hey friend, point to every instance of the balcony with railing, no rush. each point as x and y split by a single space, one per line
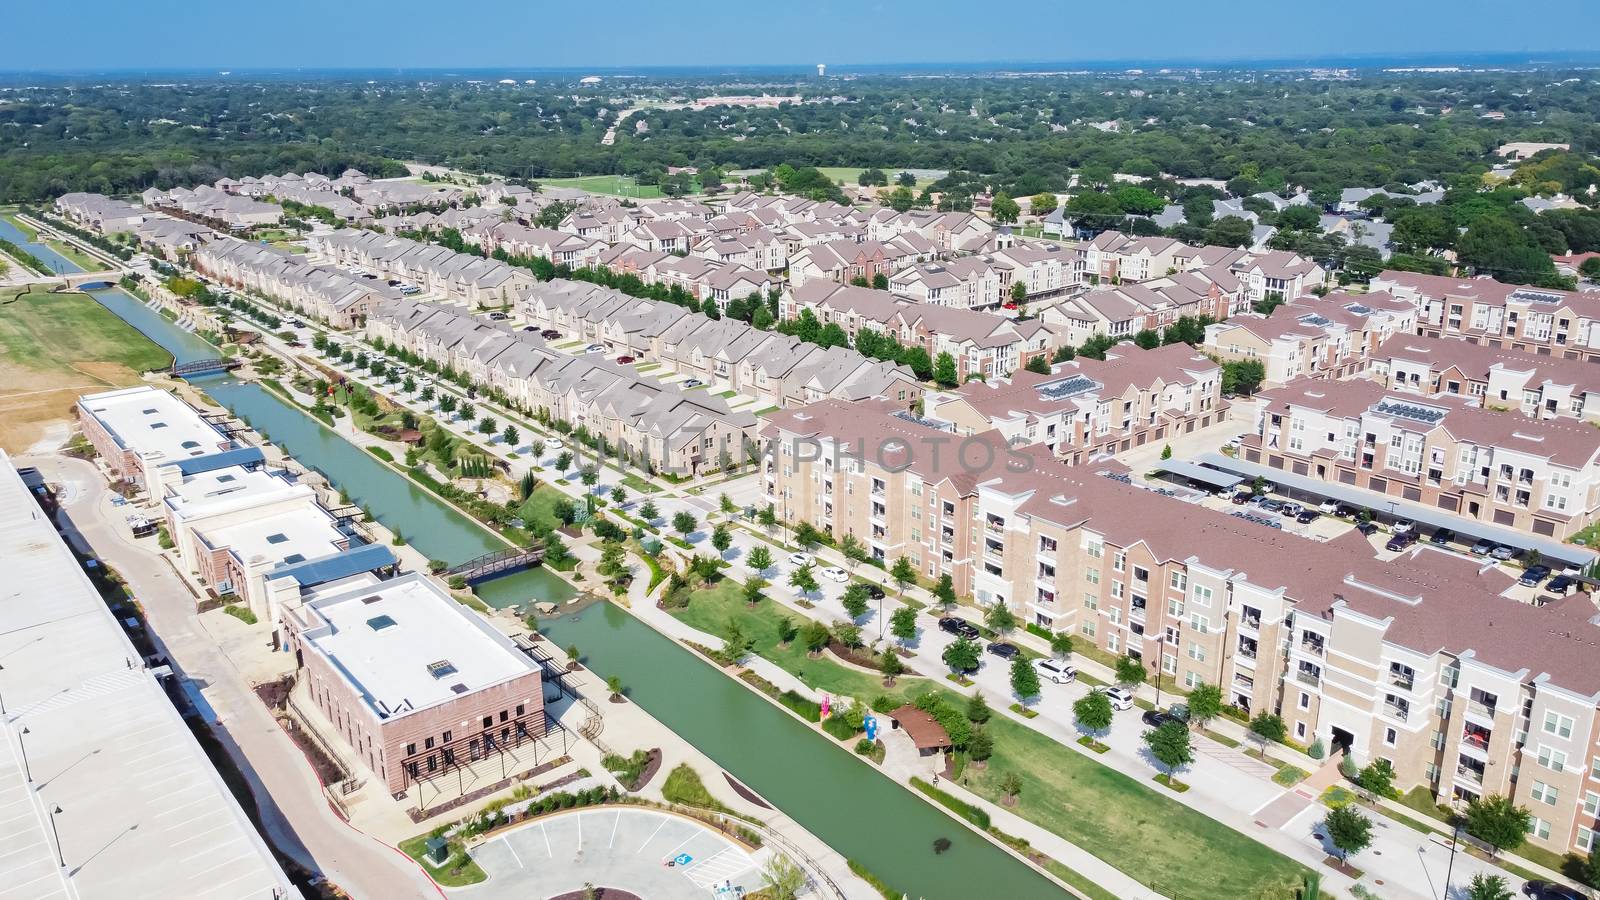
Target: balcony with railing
1309 675
1470 771
1248 648
1476 738
1250 619
1396 709
1402 677
1312 643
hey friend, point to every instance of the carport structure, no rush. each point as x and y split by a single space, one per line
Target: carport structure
1386 507
1212 477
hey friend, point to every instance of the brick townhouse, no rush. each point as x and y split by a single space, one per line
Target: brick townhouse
1485 311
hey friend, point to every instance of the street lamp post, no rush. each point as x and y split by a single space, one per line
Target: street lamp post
26 770
1455 841
61 856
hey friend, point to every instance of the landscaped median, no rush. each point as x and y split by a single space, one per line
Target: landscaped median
1151 838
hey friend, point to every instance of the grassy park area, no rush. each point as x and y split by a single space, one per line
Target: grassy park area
611 185
1111 815
54 347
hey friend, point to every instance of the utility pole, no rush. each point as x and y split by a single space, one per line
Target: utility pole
1455 840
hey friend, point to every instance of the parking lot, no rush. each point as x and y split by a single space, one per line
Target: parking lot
649 853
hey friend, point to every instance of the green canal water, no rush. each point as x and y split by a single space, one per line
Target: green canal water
824 787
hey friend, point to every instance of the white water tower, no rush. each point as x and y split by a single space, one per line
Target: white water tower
822 69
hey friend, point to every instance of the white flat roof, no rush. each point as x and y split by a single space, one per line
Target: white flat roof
143 812
197 494
154 423
407 645
291 536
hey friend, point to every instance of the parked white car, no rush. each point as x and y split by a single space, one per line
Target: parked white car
800 559
1058 671
1121 698
836 574
553 444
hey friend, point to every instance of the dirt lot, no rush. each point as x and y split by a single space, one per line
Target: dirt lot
54 347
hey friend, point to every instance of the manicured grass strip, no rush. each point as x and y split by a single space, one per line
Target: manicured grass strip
878 884
450 875
684 786
953 803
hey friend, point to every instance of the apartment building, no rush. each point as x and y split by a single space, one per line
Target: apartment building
1088 408
1113 256
415 684
1328 337
1421 662
752 248
1534 384
516 239
948 231
228 211
968 282
981 343
1538 476
1485 311
100 213
141 431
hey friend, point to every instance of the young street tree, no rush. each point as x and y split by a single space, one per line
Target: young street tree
815 636
1348 830
648 511
1266 728
1170 745
803 580
1024 680
1205 703
891 665
721 539
1498 822
855 600
1484 886
944 593
1130 672
961 656
753 589
1000 619
1061 645
683 522
903 625
903 573
854 551
978 711
760 558
781 879
1093 712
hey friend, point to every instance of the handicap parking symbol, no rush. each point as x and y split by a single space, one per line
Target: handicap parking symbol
682 859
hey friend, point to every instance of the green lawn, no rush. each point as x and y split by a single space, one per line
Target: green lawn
1089 804
613 185
469 874
59 332
540 508
79 258
849 174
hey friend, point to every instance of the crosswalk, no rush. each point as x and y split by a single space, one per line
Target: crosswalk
725 865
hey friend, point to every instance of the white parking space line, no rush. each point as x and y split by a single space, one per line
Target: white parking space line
614 823
686 840
546 834
513 853
653 834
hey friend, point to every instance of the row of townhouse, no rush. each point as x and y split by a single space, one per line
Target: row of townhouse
458 277
1425 664
981 343
205 203
846 260
1045 269
1335 336
517 239
1531 383
168 237
752 248
949 231
1125 310
1274 274
322 292
776 369
1540 320
789 209
703 278
658 425
100 213
1087 408
1535 475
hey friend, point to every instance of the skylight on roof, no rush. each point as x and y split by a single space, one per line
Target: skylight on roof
277 538
379 623
441 669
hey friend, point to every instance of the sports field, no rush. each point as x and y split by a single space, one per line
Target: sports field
54 347
612 185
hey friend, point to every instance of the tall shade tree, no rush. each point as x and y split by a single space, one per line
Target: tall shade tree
1498 822
903 625
760 558
1093 713
1024 679
1170 745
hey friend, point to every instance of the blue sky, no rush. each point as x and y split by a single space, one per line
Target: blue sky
79 35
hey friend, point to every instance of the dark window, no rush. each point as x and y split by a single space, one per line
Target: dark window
411 749
504 715
488 721
447 737
427 743
519 709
